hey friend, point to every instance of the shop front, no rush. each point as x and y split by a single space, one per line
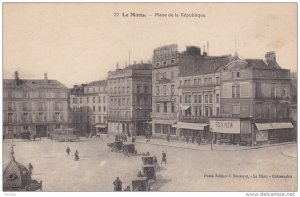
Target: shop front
191 130
231 131
273 132
101 129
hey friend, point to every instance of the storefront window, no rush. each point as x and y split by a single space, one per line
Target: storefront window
164 129
157 128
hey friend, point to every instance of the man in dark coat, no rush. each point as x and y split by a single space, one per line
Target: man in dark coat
117 185
164 157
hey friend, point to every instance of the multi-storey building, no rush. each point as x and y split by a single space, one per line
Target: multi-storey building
129 99
37 106
199 92
254 103
88 104
165 90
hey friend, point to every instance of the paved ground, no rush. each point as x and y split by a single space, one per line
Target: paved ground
186 170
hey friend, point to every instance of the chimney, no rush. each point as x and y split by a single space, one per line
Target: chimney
270 57
17 78
117 65
45 78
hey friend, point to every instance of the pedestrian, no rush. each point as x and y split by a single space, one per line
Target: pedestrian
34 137
155 162
133 139
125 138
187 139
164 157
76 155
117 185
193 138
30 168
116 138
140 174
198 139
127 189
68 150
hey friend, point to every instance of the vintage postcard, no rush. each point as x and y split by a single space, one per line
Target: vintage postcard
157 97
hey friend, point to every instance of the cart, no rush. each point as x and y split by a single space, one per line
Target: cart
148 160
140 184
115 146
129 149
149 171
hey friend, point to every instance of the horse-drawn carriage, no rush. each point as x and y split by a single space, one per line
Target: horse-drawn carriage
118 146
140 184
149 171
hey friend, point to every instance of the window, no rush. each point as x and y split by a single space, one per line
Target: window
196 111
104 108
195 99
104 119
180 83
190 98
157 90
172 73
99 108
25 127
123 101
119 101
273 92
186 98
94 108
217 80
164 75
157 107
217 111
94 119
180 99
138 89
199 98
87 99
236 91
210 80
165 89
145 89
10 117
99 119
217 98
10 106
185 83
25 106
189 82
195 82
236 109
165 108
172 61
104 99
99 99
127 89
94 99
164 129
210 98
200 111
199 81
172 107
206 98
172 89
157 128
127 101
237 74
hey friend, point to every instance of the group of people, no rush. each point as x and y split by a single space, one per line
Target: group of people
76 155
122 138
193 138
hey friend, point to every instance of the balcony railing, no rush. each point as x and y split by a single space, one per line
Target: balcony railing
191 118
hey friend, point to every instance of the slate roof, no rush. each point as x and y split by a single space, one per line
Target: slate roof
34 84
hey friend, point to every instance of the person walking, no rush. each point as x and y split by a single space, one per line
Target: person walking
117 184
187 139
164 157
76 155
155 162
68 150
30 168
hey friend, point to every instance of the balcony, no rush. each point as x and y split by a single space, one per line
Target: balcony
194 119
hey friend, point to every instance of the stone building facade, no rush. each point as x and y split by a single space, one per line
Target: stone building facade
129 99
37 106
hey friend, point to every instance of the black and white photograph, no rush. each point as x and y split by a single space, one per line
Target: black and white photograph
149 97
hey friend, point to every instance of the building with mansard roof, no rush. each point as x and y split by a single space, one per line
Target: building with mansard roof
37 106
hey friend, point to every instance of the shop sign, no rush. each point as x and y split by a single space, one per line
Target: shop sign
225 126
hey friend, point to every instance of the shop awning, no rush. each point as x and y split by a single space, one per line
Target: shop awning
274 125
263 126
163 121
193 126
282 125
101 126
186 107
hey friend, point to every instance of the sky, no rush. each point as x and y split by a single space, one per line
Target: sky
77 43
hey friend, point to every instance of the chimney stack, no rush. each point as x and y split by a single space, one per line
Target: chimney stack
17 78
45 78
270 57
